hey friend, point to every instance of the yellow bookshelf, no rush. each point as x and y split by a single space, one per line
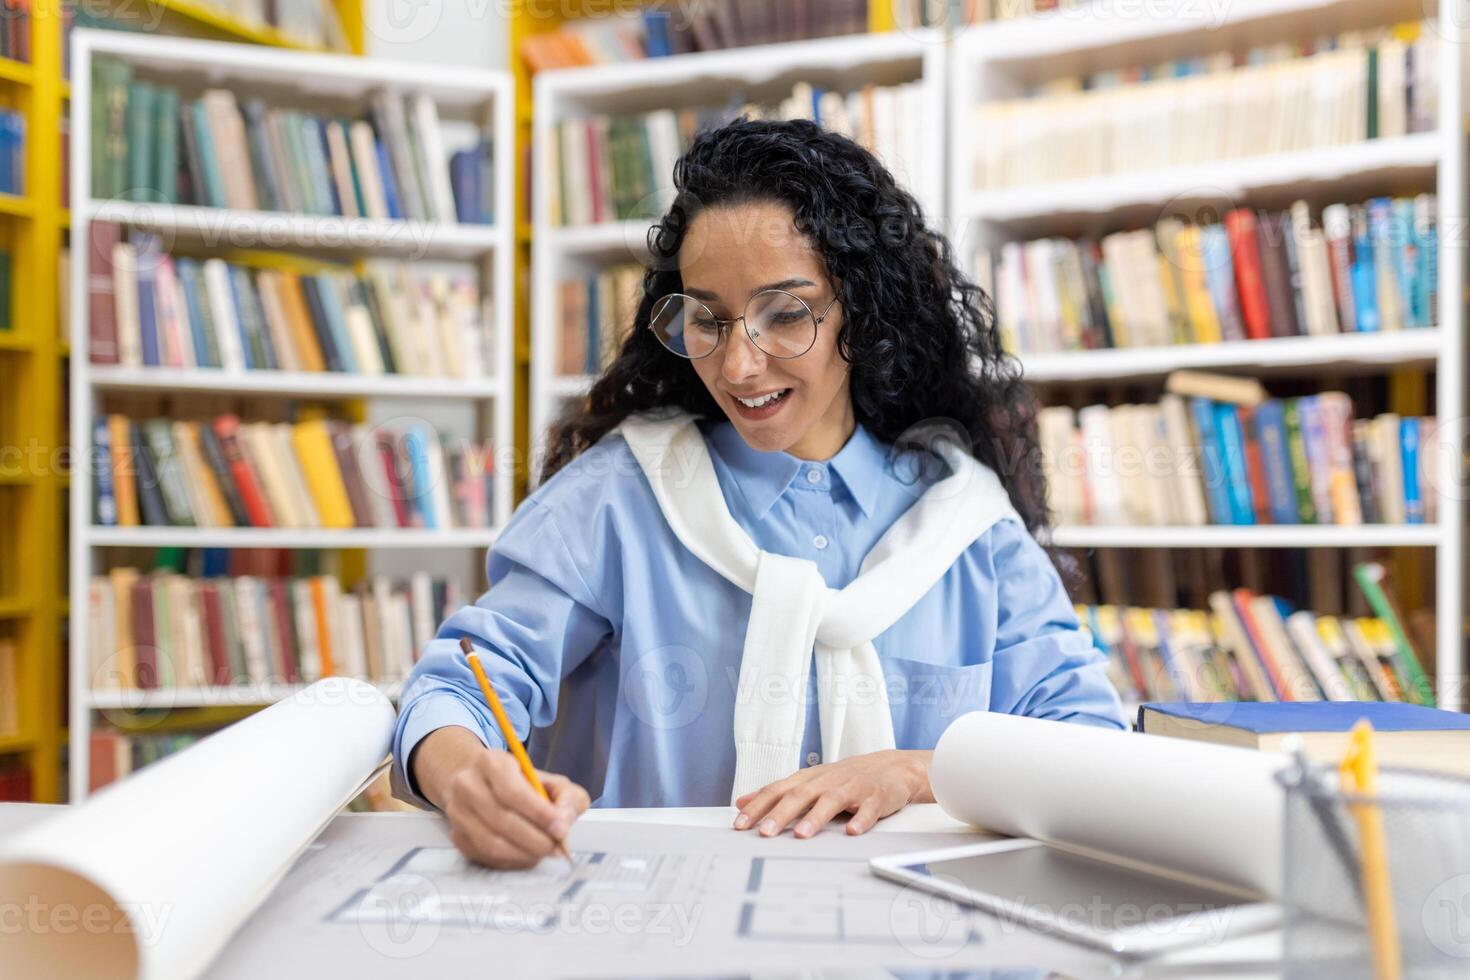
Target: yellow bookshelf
33 362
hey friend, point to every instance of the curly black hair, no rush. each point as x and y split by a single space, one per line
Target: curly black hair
919 336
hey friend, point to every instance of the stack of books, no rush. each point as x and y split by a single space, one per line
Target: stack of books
164 630
150 144
596 315
1194 461
614 168
311 474
664 30
1250 647
1329 91
148 308
1253 276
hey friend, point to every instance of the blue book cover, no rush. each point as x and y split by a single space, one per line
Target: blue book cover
214 562
204 349
1232 459
147 307
1269 718
1212 470
249 301
250 339
1426 237
1220 278
1270 419
321 156
464 180
1406 262
656 43
336 322
1413 493
105 502
1364 275
390 184
421 497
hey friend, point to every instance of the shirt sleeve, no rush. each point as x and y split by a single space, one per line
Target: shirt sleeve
1044 665
536 623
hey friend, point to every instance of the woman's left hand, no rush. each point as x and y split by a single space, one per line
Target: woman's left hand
870 787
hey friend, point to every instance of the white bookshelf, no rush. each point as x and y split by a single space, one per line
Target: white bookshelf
695 80
483 99
999 61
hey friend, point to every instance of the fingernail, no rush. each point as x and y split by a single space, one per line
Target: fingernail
741 822
804 828
768 827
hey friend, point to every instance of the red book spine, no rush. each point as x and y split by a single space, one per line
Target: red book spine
214 634
285 635
1255 467
226 429
101 296
1240 224
145 653
595 177
393 481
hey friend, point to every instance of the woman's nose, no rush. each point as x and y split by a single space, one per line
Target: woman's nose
743 359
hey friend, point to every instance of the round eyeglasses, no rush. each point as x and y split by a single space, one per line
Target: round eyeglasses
777 322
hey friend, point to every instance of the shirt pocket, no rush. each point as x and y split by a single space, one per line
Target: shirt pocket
925 697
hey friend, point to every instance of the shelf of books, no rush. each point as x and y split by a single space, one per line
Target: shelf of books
292 325
591 215
1213 239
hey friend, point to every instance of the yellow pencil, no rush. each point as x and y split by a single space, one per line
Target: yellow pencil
514 744
1359 774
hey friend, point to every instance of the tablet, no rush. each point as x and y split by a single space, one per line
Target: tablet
1111 906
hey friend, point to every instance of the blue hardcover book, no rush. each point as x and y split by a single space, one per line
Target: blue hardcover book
1365 274
105 502
1426 238
1211 466
464 180
214 562
336 322
249 302
1270 419
1413 493
1285 717
205 350
251 341
1220 278
421 497
321 156
1232 458
147 306
1406 263
390 183
656 43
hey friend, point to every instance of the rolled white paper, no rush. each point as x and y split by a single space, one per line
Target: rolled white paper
150 877
1212 811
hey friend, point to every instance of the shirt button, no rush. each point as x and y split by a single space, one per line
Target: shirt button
813 758
820 541
813 475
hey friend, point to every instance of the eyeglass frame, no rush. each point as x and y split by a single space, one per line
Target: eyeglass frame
720 323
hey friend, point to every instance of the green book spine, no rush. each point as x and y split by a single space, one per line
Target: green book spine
117 130
647 180
342 125
165 179
1372 93
214 187
1411 672
141 98
1301 475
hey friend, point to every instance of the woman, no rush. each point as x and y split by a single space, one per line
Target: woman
752 573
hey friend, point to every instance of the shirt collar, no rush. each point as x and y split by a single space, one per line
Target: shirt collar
762 477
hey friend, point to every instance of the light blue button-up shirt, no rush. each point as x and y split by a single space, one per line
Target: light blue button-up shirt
617 652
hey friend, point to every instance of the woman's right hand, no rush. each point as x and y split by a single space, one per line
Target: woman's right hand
495 816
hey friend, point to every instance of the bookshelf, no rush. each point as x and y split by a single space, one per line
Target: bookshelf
339 84
694 80
1000 60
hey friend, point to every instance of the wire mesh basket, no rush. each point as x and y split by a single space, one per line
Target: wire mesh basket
1426 822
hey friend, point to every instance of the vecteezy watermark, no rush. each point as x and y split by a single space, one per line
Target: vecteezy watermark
666 687
1446 917
36 916
403 916
929 925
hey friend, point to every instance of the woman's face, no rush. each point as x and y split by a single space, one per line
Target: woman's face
730 253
